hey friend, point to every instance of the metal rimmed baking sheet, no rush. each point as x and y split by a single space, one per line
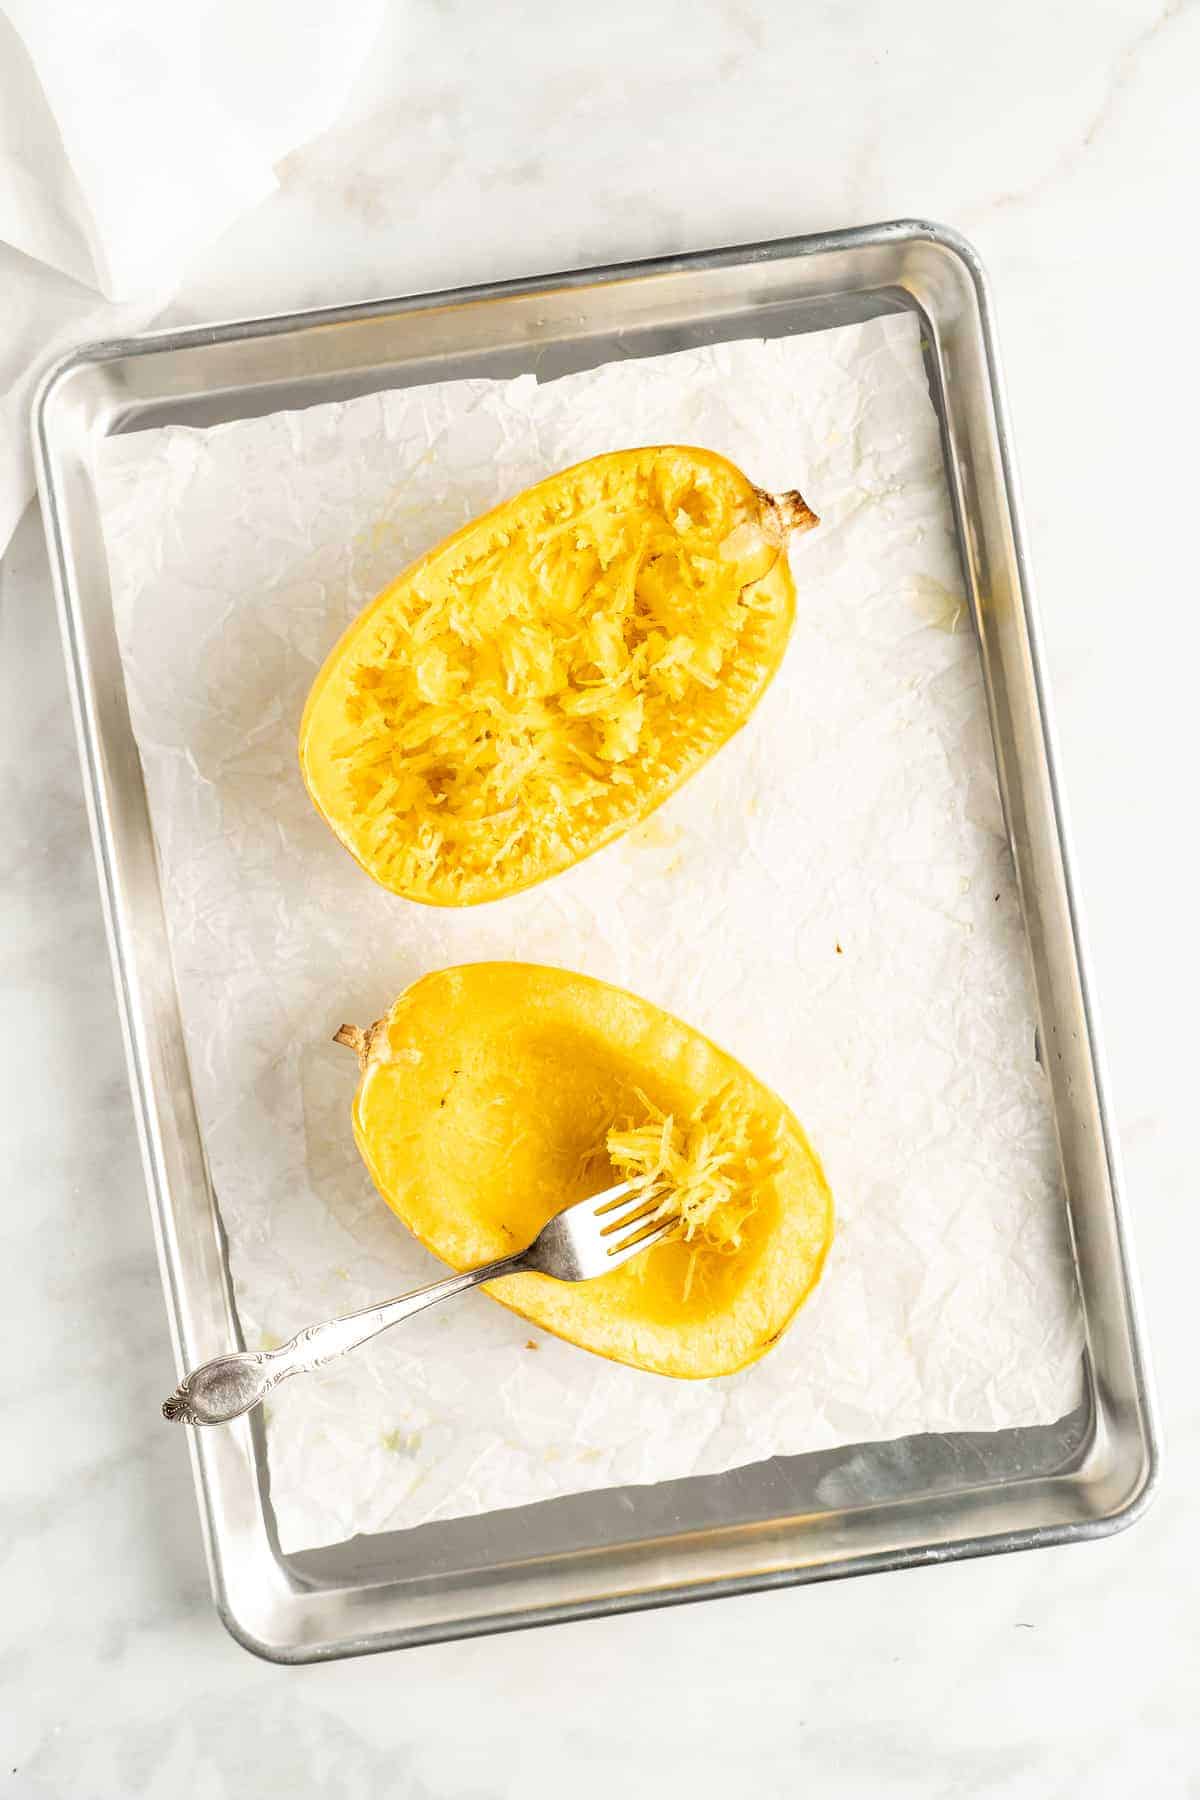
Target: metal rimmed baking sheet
797 1518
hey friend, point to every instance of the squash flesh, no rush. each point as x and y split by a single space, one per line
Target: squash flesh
546 677
485 1105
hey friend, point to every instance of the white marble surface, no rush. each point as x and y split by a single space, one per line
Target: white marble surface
1065 147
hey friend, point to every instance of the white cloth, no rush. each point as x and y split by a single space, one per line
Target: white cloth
132 133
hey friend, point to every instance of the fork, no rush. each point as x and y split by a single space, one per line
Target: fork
589 1238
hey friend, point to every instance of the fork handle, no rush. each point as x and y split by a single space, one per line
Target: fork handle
229 1386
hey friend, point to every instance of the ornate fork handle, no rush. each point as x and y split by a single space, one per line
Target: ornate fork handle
228 1386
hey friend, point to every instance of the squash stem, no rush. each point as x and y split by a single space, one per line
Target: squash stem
358 1040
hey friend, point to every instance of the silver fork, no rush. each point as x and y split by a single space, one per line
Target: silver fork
592 1237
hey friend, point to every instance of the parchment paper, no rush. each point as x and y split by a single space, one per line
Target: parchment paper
831 899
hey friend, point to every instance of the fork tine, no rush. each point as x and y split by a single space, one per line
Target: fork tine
611 1198
643 1208
652 1232
629 1221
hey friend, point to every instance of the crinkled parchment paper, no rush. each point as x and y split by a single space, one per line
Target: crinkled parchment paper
831 899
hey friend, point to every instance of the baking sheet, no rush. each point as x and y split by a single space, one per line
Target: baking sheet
831 899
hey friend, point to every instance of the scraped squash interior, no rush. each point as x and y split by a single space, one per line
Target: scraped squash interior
494 1094
547 676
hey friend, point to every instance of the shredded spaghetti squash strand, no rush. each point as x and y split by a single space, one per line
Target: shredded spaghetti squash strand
497 699
708 1170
